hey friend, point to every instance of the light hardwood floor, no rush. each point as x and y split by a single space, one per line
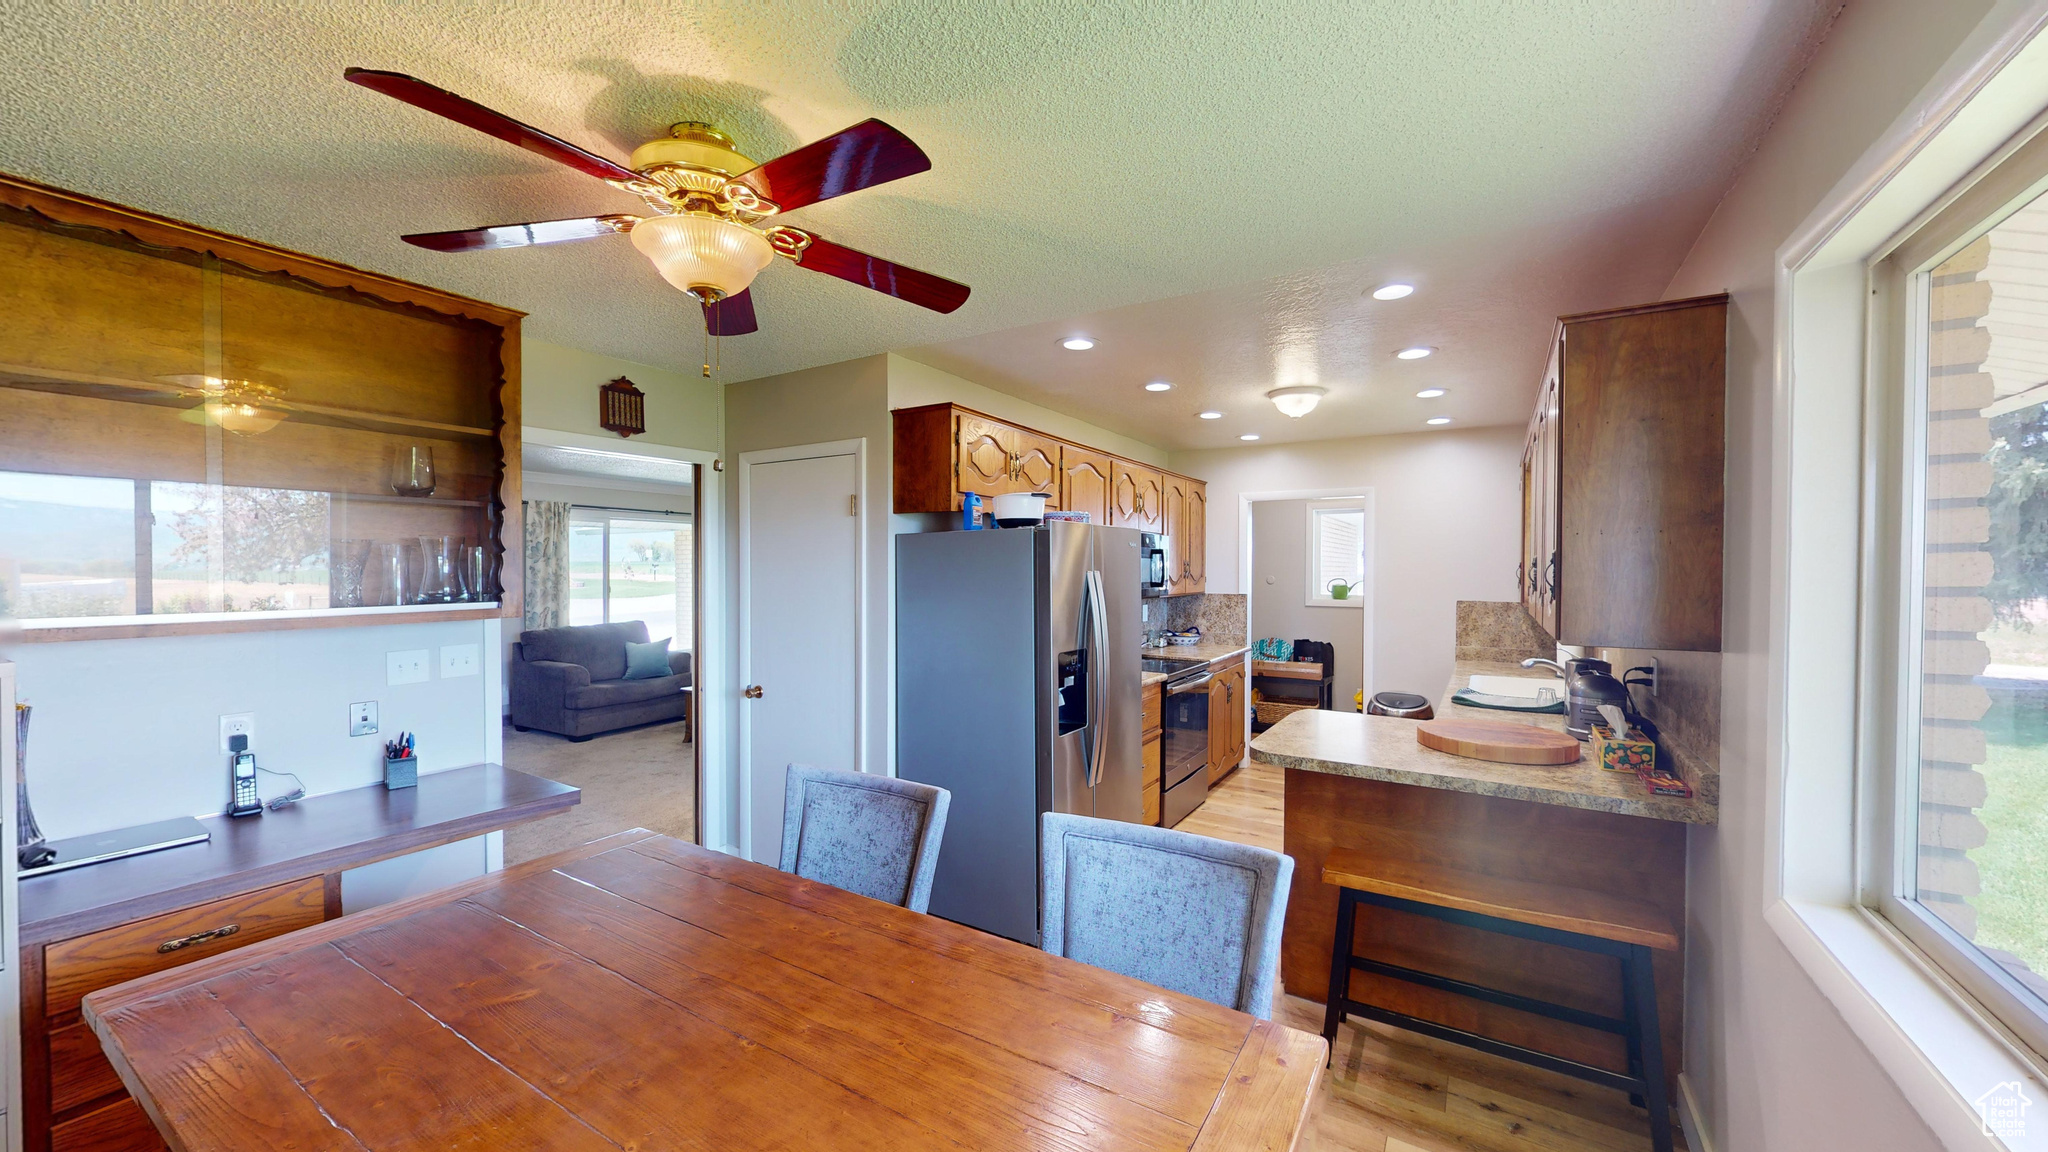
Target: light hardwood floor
1393 1091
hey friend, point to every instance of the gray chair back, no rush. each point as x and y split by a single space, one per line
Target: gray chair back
1185 912
868 834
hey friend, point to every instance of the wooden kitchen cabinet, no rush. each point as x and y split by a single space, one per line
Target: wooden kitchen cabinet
943 450
997 458
1152 748
1226 720
1138 497
1085 479
1623 474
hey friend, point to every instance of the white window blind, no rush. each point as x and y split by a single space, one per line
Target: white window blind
1336 551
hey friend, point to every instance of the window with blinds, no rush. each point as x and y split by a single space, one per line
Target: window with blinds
1336 554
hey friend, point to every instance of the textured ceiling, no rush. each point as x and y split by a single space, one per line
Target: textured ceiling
1207 186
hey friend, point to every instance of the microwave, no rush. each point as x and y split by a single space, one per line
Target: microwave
1154 562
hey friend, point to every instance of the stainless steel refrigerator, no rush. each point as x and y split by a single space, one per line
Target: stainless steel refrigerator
1017 689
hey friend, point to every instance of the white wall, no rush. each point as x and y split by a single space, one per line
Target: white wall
1448 527
559 391
1279 597
126 732
1769 1061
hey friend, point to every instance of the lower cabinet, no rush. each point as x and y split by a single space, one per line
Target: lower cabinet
1226 719
1152 749
85 1108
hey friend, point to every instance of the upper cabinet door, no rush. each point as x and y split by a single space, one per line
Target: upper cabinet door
1195 530
1137 497
1085 483
1038 464
987 455
1176 509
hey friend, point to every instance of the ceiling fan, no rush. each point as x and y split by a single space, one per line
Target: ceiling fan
713 224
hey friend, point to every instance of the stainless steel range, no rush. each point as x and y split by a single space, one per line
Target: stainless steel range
1184 750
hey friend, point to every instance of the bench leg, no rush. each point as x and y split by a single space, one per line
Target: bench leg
1634 1035
1340 971
1642 997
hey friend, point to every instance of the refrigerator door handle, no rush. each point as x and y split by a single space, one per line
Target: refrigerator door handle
1098 621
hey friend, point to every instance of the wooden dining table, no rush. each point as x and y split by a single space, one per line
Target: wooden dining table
642 993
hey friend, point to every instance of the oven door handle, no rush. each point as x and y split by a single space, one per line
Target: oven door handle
1189 685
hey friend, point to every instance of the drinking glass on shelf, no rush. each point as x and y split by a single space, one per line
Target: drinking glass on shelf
473 573
392 576
412 473
437 570
346 560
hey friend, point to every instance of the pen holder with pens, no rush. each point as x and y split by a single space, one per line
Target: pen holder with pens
401 764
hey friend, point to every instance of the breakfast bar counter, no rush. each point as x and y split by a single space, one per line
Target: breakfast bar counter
1363 783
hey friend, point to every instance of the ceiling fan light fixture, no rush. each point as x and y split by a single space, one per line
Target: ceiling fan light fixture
1297 401
703 253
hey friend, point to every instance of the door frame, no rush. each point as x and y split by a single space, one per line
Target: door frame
1365 495
715 803
743 614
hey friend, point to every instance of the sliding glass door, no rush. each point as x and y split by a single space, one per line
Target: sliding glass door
632 566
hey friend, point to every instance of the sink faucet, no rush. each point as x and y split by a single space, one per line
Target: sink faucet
1553 665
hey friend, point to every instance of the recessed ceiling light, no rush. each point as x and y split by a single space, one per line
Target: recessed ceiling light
1392 291
1298 401
1249 436
1415 353
1158 386
1429 393
1077 343
1210 415
1438 420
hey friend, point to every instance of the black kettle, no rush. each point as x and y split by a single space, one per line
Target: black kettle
1589 683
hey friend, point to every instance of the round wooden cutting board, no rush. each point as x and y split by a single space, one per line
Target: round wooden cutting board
1498 740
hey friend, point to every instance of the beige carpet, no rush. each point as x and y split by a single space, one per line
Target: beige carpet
639 778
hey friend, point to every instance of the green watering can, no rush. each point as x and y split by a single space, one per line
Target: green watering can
1339 590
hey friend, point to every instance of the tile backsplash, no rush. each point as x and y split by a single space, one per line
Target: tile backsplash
1221 615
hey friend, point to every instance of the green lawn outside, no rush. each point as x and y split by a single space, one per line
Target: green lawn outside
2012 911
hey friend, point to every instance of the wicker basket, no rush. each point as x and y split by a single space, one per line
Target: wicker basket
1274 711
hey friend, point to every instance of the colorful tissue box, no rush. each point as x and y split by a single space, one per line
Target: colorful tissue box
1635 752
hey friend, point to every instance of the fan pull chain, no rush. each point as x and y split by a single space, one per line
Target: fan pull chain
707 347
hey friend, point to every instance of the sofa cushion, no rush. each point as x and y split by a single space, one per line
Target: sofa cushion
647 661
608 692
598 647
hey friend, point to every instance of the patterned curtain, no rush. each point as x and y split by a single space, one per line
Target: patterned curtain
547 563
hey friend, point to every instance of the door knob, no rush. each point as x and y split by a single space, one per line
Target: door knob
753 692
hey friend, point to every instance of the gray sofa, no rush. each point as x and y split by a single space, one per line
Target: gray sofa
570 681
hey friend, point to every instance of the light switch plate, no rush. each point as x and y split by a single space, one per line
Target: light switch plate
237 724
362 718
459 660
406 667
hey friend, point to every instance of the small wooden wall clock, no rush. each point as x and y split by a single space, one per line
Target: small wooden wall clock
622 408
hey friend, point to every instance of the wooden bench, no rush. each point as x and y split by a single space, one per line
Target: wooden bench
1597 922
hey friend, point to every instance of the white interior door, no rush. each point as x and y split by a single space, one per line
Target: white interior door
801 612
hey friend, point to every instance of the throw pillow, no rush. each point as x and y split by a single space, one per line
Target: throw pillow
646 661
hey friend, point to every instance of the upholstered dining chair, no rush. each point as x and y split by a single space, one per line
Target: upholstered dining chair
1185 912
868 834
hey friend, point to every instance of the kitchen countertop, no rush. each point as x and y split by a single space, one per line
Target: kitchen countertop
1385 748
1205 651
1148 679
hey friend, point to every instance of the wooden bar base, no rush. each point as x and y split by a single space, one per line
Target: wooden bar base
1414 829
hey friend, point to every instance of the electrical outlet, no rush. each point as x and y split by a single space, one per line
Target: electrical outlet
237 724
460 660
362 718
405 667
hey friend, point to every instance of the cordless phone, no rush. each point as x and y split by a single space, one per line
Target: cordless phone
243 800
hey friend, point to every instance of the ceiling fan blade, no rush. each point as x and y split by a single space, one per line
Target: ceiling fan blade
921 288
442 102
732 316
521 235
867 154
